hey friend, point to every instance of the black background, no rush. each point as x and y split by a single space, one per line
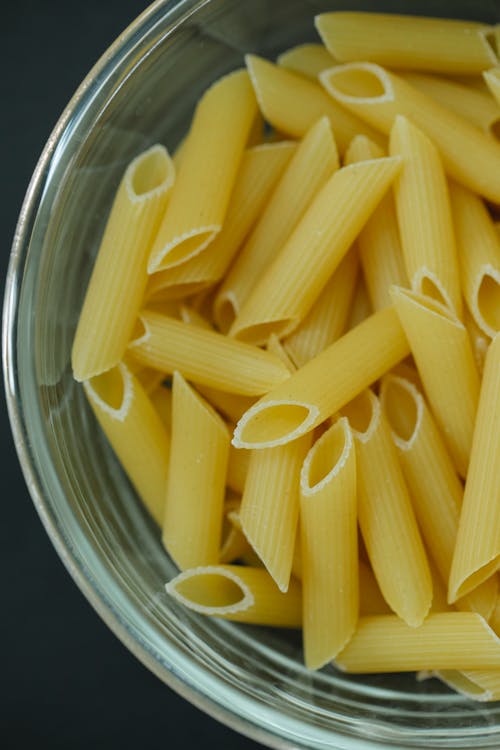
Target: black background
65 680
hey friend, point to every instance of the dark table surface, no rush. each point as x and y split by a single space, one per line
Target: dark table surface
65 680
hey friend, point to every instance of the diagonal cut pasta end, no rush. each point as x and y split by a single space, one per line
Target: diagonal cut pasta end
358 83
112 391
271 423
211 590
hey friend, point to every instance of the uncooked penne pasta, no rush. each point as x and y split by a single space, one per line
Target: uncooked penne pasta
479 252
291 104
441 347
329 544
325 384
371 599
312 164
135 432
361 307
424 216
378 242
210 161
230 405
194 507
492 78
161 398
445 640
238 593
478 684
260 170
205 357
378 96
149 379
115 291
288 289
327 318
477 551
479 340
237 469
386 516
233 543
417 43
306 59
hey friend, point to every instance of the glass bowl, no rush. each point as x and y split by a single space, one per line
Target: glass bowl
142 91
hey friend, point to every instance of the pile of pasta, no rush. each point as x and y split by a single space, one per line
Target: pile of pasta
290 334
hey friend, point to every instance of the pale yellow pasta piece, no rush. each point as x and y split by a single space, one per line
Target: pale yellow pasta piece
237 469
239 593
361 307
116 287
306 59
161 398
260 170
492 78
466 101
445 640
371 599
308 170
479 685
479 252
233 543
424 216
408 371
477 551
149 379
189 315
435 488
206 357
385 513
291 104
327 318
230 405
135 432
378 242
288 289
324 384
446 365
194 507
329 544
479 340
378 96
210 161
414 42
275 346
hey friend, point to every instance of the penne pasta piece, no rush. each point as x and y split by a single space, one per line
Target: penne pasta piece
230 405
479 685
414 42
479 340
325 384
492 78
288 289
275 346
385 513
479 252
477 550
233 544
194 507
292 104
329 544
260 170
161 398
306 59
378 242
239 593
361 307
116 288
378 96
210 161
371 599
445 640
135 432
149 379
237 469
308 170
327 318
424 217
432 480
466 101
206 357
446 365
193 317
408 371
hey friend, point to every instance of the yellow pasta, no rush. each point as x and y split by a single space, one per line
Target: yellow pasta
492 78
260 170
119 277
237 469
477 551
414 42
479 685
194 507
230 405
135 432
466 101
446 365
424 216
378 242
378 96
288 289
238 593
361 307
206 357
386 517
329 544
312 164
306 59
371 599
324 384
210 161
445 640
479 340
291 104
161 398
233 543
479 252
